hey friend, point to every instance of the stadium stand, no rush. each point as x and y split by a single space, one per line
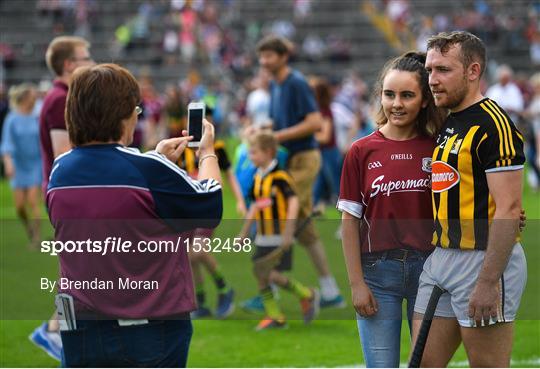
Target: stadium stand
342 34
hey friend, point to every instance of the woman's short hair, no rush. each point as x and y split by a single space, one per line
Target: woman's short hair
100 97
19 93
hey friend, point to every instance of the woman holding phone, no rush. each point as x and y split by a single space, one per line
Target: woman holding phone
102 188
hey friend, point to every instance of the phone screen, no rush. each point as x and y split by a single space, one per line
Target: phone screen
195 124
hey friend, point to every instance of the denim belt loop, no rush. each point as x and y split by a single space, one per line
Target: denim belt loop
405 256
384 256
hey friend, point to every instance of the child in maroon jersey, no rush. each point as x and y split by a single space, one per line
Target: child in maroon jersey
385 199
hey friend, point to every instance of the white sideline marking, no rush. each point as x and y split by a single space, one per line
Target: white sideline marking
462 364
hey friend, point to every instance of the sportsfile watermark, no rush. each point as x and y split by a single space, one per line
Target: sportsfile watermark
127 260
111 245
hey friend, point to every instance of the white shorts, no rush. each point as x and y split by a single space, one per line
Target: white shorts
456 272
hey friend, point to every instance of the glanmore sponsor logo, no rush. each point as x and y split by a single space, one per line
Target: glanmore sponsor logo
443 176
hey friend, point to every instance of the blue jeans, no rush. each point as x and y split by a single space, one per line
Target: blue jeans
103 343
327 182
391 282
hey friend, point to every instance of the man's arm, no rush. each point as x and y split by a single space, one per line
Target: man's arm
60 141
311 124
505 188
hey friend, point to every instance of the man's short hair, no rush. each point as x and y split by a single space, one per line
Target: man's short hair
472 48
279 45
100 97
61 49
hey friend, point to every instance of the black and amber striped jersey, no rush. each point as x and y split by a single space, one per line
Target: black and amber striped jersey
270 193
475 141
188 160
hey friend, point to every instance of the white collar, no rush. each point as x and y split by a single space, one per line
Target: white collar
264 171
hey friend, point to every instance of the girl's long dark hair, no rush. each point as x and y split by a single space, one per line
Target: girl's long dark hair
430 118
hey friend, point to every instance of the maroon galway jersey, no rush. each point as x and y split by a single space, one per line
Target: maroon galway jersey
387 184
52 117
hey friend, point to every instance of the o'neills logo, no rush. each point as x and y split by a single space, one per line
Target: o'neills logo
443 176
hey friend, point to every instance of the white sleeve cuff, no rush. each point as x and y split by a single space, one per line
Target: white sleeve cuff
505 169
354 208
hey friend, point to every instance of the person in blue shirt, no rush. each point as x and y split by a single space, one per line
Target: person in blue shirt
295 117
22 159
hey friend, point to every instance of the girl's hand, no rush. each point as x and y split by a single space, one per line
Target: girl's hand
363 300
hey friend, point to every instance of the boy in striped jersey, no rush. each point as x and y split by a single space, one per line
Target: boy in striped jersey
477 169
275 208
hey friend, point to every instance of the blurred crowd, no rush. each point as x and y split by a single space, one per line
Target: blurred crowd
218 34
201 32
495 22
185 31
348 101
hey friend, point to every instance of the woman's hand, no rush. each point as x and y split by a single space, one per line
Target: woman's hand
9 168
363 300
207 140
172 148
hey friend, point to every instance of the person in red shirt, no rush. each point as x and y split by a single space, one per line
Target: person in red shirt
385 200
327 182
64 55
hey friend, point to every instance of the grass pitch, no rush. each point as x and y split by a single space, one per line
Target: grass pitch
330 341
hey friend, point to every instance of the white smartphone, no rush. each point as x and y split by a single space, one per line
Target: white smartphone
196 111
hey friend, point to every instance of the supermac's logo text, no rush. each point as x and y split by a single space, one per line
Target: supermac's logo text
443 176
379 186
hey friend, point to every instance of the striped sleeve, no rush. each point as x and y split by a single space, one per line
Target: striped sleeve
284 182
176 195
501 145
